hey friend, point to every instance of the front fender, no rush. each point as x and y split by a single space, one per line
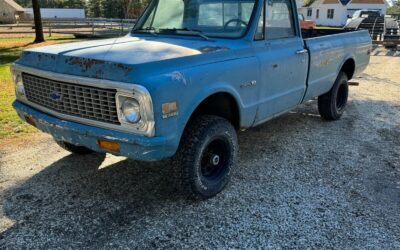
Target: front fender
205 93
190 87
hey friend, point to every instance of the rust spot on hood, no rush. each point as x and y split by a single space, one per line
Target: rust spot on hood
209 49
84 63
125 68
99 73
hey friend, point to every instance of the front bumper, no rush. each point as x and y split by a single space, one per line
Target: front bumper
132 146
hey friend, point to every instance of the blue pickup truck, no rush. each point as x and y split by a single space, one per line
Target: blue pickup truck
188 76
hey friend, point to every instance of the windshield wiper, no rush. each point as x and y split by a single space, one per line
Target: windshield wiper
196 32
150 30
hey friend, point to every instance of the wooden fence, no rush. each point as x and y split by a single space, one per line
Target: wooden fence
95 27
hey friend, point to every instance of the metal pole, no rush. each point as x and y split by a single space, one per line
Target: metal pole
49 23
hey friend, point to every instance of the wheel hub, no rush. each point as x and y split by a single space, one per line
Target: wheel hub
215 159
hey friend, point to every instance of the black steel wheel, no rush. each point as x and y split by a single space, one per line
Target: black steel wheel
207 155
215 159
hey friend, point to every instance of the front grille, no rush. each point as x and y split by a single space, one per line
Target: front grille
72 99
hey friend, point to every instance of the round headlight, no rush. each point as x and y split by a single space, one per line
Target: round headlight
131 111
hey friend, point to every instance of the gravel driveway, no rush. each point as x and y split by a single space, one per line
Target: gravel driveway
301 183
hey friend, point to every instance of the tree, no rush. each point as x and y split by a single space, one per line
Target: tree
73 4
127 6
115 8
395 9
38 22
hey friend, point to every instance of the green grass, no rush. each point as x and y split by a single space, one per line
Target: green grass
10 49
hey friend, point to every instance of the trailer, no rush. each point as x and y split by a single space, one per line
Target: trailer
383 30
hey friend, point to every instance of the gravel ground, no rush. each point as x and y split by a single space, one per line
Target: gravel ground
300 183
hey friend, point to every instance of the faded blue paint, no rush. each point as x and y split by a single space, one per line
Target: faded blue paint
132 146
190 69
329 53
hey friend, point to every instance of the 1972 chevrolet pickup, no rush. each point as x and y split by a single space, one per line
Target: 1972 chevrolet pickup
189 75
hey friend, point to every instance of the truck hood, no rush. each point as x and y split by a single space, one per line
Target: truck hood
128 59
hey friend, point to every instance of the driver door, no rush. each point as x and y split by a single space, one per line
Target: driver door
283 60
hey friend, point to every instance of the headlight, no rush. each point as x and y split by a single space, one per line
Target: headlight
135 111
20 90
131 110
19 85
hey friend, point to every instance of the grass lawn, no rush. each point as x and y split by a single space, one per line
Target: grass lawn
10 49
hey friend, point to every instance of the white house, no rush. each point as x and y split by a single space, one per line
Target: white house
58 13
10 11
336 12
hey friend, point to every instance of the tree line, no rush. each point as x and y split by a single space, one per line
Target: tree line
95 8
71 4
115 9
395 9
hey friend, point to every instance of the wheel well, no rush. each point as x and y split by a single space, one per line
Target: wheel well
349 67
220 104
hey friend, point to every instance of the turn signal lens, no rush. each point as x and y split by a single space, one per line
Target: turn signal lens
109 145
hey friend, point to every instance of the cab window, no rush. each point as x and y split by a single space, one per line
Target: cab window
279 19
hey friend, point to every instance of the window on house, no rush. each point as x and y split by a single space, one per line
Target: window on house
330 13
317 14
309 12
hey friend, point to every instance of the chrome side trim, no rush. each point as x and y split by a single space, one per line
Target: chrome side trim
139 92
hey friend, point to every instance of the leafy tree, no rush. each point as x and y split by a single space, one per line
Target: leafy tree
94 8
116 8
395 9
54 3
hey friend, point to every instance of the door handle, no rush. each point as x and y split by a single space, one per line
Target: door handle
300 52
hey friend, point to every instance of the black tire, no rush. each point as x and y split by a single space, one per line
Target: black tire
206 156
332 104
79 150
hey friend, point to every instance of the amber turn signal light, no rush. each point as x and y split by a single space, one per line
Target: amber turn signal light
109 145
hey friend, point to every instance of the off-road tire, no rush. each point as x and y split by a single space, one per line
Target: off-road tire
332 104
206 156
79 150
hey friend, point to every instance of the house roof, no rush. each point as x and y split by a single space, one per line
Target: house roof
345 2
330 2
317 3
313 3
14 5
369 1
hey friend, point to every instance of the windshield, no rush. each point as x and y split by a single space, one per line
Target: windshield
206 18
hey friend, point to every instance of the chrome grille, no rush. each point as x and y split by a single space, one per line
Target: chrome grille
72 99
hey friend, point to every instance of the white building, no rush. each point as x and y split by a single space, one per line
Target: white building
336 12
58 13
10 11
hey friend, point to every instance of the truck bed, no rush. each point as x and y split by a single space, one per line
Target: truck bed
328 51
310 33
